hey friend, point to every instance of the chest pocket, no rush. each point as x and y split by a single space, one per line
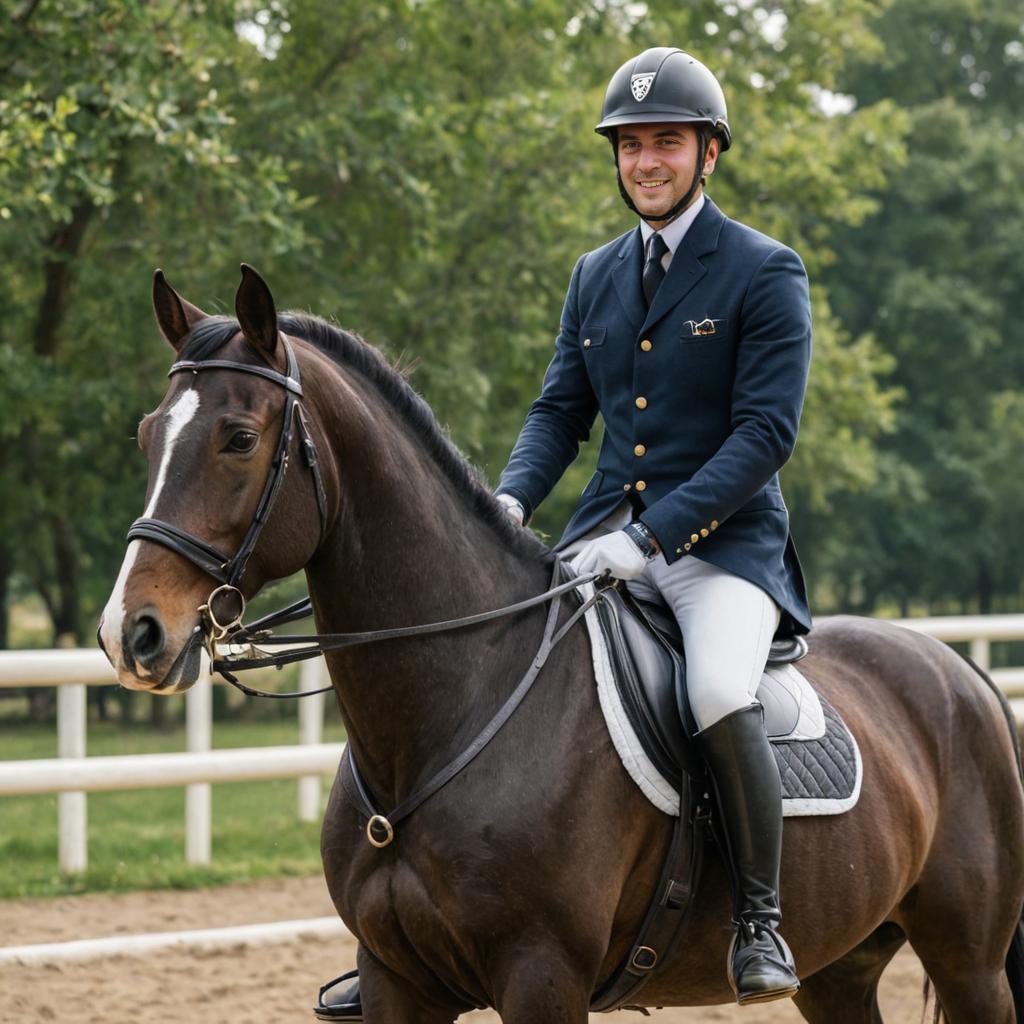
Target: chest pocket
591 338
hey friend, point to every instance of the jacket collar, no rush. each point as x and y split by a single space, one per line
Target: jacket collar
685 270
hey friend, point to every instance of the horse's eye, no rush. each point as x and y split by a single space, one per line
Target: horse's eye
242 441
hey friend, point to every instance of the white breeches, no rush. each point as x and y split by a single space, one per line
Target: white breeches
727 624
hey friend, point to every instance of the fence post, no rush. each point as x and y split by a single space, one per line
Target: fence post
198 736
981 653
311 721
71 807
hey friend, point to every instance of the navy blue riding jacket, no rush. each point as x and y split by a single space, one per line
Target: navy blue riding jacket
701 398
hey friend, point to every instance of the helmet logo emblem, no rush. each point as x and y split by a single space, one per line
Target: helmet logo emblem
641 85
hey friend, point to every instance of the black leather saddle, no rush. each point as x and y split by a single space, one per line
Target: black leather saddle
645 647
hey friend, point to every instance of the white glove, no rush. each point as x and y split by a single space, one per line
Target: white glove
513 509
615 552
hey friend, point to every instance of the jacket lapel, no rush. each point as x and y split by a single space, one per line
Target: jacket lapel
627 274
686 268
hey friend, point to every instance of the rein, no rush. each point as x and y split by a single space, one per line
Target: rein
321 643
229 570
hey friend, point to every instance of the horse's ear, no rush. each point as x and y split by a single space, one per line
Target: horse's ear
254 307
175 315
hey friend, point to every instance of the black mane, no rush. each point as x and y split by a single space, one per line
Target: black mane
352 352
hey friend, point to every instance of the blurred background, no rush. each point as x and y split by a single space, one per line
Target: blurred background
426 173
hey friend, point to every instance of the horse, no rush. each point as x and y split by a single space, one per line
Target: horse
521 883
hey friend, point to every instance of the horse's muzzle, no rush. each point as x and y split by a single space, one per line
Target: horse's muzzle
144 656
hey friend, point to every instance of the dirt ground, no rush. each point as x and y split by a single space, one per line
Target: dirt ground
268 984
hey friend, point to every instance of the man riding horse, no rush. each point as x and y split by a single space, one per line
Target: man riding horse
691 335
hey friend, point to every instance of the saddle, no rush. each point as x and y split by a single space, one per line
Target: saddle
645 646
645 704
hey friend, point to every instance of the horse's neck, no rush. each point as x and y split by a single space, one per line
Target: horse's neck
406 551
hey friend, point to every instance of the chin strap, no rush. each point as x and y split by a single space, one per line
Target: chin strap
698 177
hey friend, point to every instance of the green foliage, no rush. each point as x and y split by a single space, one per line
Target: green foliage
427 174
935 274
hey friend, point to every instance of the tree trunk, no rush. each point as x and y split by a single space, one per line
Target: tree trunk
67 612
64 244
6 569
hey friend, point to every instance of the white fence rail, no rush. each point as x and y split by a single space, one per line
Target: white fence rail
71 775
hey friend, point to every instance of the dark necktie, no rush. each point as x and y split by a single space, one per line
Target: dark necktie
654 272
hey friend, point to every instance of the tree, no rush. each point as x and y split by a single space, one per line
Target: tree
113 116
935 275
426 173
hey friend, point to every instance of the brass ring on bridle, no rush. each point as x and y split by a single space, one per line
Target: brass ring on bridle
380 822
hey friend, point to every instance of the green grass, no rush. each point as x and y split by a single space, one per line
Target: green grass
137 838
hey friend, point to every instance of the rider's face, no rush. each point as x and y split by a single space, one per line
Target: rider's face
657 164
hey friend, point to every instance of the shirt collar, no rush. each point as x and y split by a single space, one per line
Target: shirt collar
673 233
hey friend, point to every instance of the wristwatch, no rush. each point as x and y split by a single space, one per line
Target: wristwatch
642 537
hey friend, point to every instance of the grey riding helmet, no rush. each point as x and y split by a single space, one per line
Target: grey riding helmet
665 84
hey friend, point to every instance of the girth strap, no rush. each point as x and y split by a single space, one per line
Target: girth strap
668 910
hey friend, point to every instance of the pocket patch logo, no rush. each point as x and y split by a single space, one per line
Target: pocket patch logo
706 326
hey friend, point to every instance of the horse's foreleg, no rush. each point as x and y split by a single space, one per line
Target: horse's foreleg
390 999
543 989
846 992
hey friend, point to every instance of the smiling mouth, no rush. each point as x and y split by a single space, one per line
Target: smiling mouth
653 184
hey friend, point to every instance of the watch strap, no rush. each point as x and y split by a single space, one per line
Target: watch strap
642 537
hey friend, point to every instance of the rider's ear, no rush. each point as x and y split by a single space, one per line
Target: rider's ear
254 307
175 315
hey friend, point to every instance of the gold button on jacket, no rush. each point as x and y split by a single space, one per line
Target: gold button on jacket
639 450
641 402
641 485
646 345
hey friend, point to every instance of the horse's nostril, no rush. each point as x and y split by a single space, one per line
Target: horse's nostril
146 639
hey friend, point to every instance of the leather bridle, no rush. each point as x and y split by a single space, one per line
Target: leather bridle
229 570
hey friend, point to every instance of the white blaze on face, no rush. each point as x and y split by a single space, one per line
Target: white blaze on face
177 417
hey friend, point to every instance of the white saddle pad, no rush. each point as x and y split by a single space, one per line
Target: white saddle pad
819 760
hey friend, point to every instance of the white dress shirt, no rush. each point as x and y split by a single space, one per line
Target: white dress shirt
673 233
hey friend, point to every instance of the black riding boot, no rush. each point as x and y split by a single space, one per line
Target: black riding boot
749 794
343 1005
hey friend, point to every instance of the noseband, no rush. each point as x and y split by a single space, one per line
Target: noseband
229 570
